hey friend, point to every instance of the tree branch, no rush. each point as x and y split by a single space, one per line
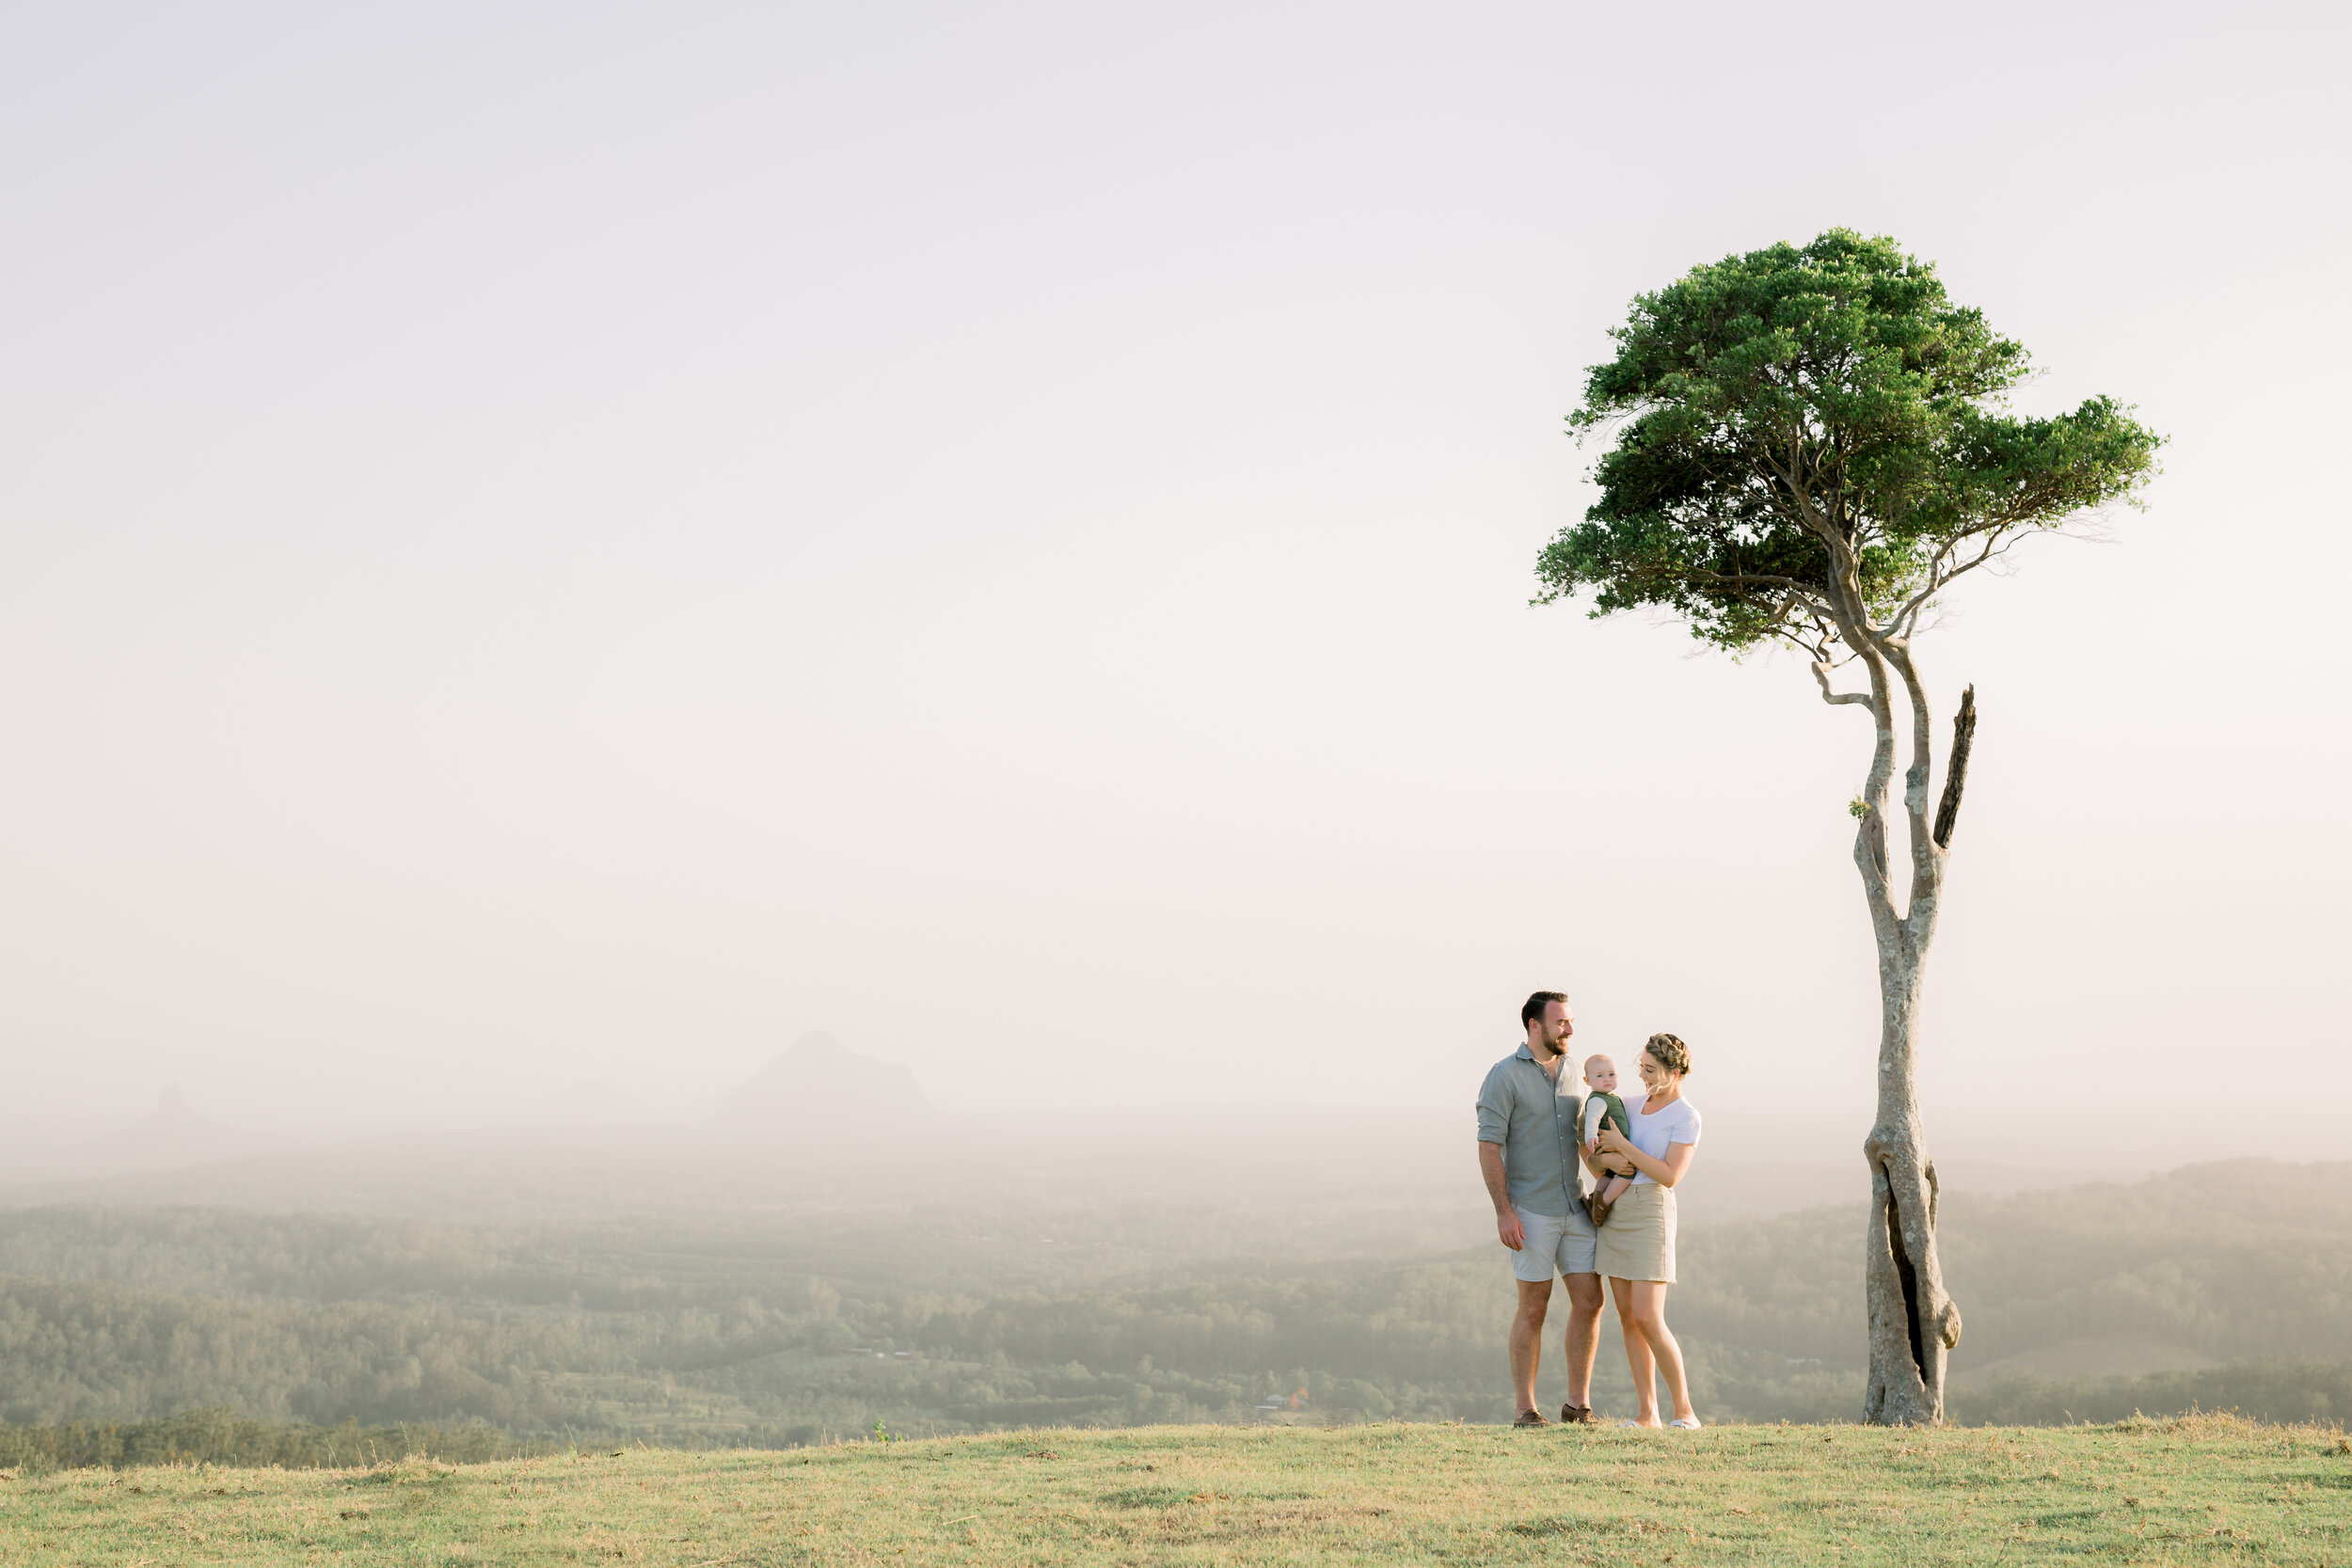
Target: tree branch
1956 769
1915 776
1708 578
1820 673
1870 834
1944 568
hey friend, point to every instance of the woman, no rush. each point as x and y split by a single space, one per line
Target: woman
1637 1245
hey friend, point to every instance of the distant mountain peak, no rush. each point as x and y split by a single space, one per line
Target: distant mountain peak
174 1118
816 1045
818 1088
171 1136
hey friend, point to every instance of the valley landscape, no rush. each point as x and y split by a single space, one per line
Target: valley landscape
828 1322
1032 784
1162 1378
766 1282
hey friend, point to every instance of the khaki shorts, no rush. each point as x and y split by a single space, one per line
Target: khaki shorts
1556 1244
1637 1243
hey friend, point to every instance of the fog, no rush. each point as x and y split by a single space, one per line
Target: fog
549 553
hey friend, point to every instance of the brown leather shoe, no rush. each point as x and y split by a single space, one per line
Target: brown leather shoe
1598 1209
1576 1415
1531 1419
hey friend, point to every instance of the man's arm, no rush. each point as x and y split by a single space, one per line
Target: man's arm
1508 1224
1496 1098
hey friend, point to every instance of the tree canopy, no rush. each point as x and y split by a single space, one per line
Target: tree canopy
1814 441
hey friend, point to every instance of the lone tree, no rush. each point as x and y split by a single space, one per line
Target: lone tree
1811 445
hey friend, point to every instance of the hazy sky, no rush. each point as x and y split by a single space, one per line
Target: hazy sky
549 550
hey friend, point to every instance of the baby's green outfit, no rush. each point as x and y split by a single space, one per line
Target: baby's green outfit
1604 1110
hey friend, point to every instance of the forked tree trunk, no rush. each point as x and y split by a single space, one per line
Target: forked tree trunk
1914 1323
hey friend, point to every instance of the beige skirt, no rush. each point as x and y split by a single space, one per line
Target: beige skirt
1637 1243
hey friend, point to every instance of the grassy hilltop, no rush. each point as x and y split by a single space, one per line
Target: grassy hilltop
2194 1490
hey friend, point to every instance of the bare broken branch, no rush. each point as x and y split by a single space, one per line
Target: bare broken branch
1956 770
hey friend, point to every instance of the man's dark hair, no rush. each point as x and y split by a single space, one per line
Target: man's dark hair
1536 1004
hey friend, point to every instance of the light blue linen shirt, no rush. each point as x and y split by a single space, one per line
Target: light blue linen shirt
1537 1119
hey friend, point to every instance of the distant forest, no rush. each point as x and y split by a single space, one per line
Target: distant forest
771 1331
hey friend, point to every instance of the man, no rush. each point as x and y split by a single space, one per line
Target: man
1530 1121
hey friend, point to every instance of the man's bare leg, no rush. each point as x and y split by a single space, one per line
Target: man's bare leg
1583 1341
1526 1342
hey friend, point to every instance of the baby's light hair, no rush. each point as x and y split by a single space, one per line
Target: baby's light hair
1597 1056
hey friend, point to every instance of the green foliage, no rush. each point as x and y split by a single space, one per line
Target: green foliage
1810 434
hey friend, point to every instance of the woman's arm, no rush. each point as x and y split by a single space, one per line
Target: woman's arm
1601 1163
1664 1172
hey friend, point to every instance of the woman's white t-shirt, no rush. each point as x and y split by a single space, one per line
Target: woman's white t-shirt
1676 1123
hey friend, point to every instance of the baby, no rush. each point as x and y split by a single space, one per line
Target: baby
1602 1108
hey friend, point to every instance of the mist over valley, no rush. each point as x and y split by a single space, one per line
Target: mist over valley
828 1250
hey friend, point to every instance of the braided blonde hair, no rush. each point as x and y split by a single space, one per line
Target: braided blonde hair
1670 1053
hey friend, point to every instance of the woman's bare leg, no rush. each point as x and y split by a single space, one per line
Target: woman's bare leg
1637 1353
1649 1317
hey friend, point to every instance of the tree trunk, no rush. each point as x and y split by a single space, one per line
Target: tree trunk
1913 1323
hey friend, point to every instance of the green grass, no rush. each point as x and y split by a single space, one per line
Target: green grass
2208 1489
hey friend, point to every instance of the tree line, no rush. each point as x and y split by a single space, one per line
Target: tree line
722 1332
